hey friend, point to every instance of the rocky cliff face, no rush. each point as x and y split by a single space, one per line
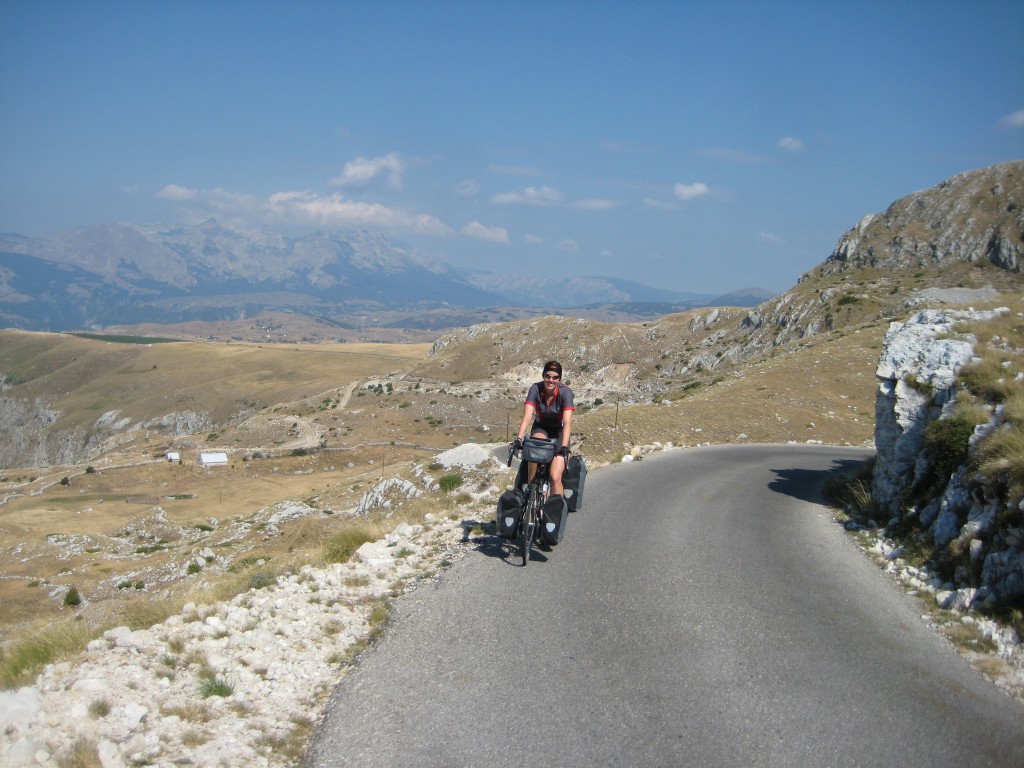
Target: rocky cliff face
977 216
968 515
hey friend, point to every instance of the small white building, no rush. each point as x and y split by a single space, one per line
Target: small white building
173 456
213 459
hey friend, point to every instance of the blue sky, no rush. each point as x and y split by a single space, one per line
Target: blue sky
693 146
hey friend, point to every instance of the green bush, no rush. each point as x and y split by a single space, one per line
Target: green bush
449 483
946 443
72 597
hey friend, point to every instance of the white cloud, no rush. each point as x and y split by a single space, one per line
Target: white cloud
295 208
790 144
1013 120
174 192
483 232
532 239
691 191
336 211
545 196
769 237
569 245
366 172
594 205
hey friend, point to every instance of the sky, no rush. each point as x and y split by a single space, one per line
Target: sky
692 146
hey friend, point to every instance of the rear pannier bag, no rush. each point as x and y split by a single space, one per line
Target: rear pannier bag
573 479
538 450
510 509
556 512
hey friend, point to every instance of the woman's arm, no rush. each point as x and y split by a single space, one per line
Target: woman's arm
524 425
566 427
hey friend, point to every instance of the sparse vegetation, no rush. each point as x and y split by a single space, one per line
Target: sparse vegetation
215 685
449 483
342 545
23 657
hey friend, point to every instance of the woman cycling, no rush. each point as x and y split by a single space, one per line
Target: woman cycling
549 408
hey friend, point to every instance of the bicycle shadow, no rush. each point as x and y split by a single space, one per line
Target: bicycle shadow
483 535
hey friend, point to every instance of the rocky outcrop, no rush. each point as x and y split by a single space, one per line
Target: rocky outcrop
917 385
977 216
916 374
35 436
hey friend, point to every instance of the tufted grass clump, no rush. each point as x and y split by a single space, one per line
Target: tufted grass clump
342 545
292 744
215 685
851 492
22 660
81 754
1001 455
99 708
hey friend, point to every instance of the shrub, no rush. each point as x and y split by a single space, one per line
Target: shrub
72 597
449 483
946 442
262 578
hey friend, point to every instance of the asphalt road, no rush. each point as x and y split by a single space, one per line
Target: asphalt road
703 610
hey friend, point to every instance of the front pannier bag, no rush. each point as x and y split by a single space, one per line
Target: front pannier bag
574 478
538 450
509 511
556 512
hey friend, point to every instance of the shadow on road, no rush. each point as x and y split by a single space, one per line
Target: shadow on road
809 484
485 538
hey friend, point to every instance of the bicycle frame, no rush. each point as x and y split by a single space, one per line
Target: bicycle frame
533 508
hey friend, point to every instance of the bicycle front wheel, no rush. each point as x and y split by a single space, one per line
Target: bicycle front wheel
528 527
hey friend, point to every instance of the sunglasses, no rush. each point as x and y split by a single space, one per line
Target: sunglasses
551 376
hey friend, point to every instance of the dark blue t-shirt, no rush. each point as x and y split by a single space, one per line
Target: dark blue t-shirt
549 415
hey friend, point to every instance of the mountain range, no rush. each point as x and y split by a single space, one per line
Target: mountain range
98 275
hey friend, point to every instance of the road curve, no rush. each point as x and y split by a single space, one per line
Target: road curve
703 610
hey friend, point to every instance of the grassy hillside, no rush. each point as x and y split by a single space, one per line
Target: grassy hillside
312 428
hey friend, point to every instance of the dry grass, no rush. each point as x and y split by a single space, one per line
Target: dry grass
636 384
85 533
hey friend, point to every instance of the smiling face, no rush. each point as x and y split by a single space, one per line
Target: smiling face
550 382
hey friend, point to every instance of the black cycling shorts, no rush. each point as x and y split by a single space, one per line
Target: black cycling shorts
553 432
